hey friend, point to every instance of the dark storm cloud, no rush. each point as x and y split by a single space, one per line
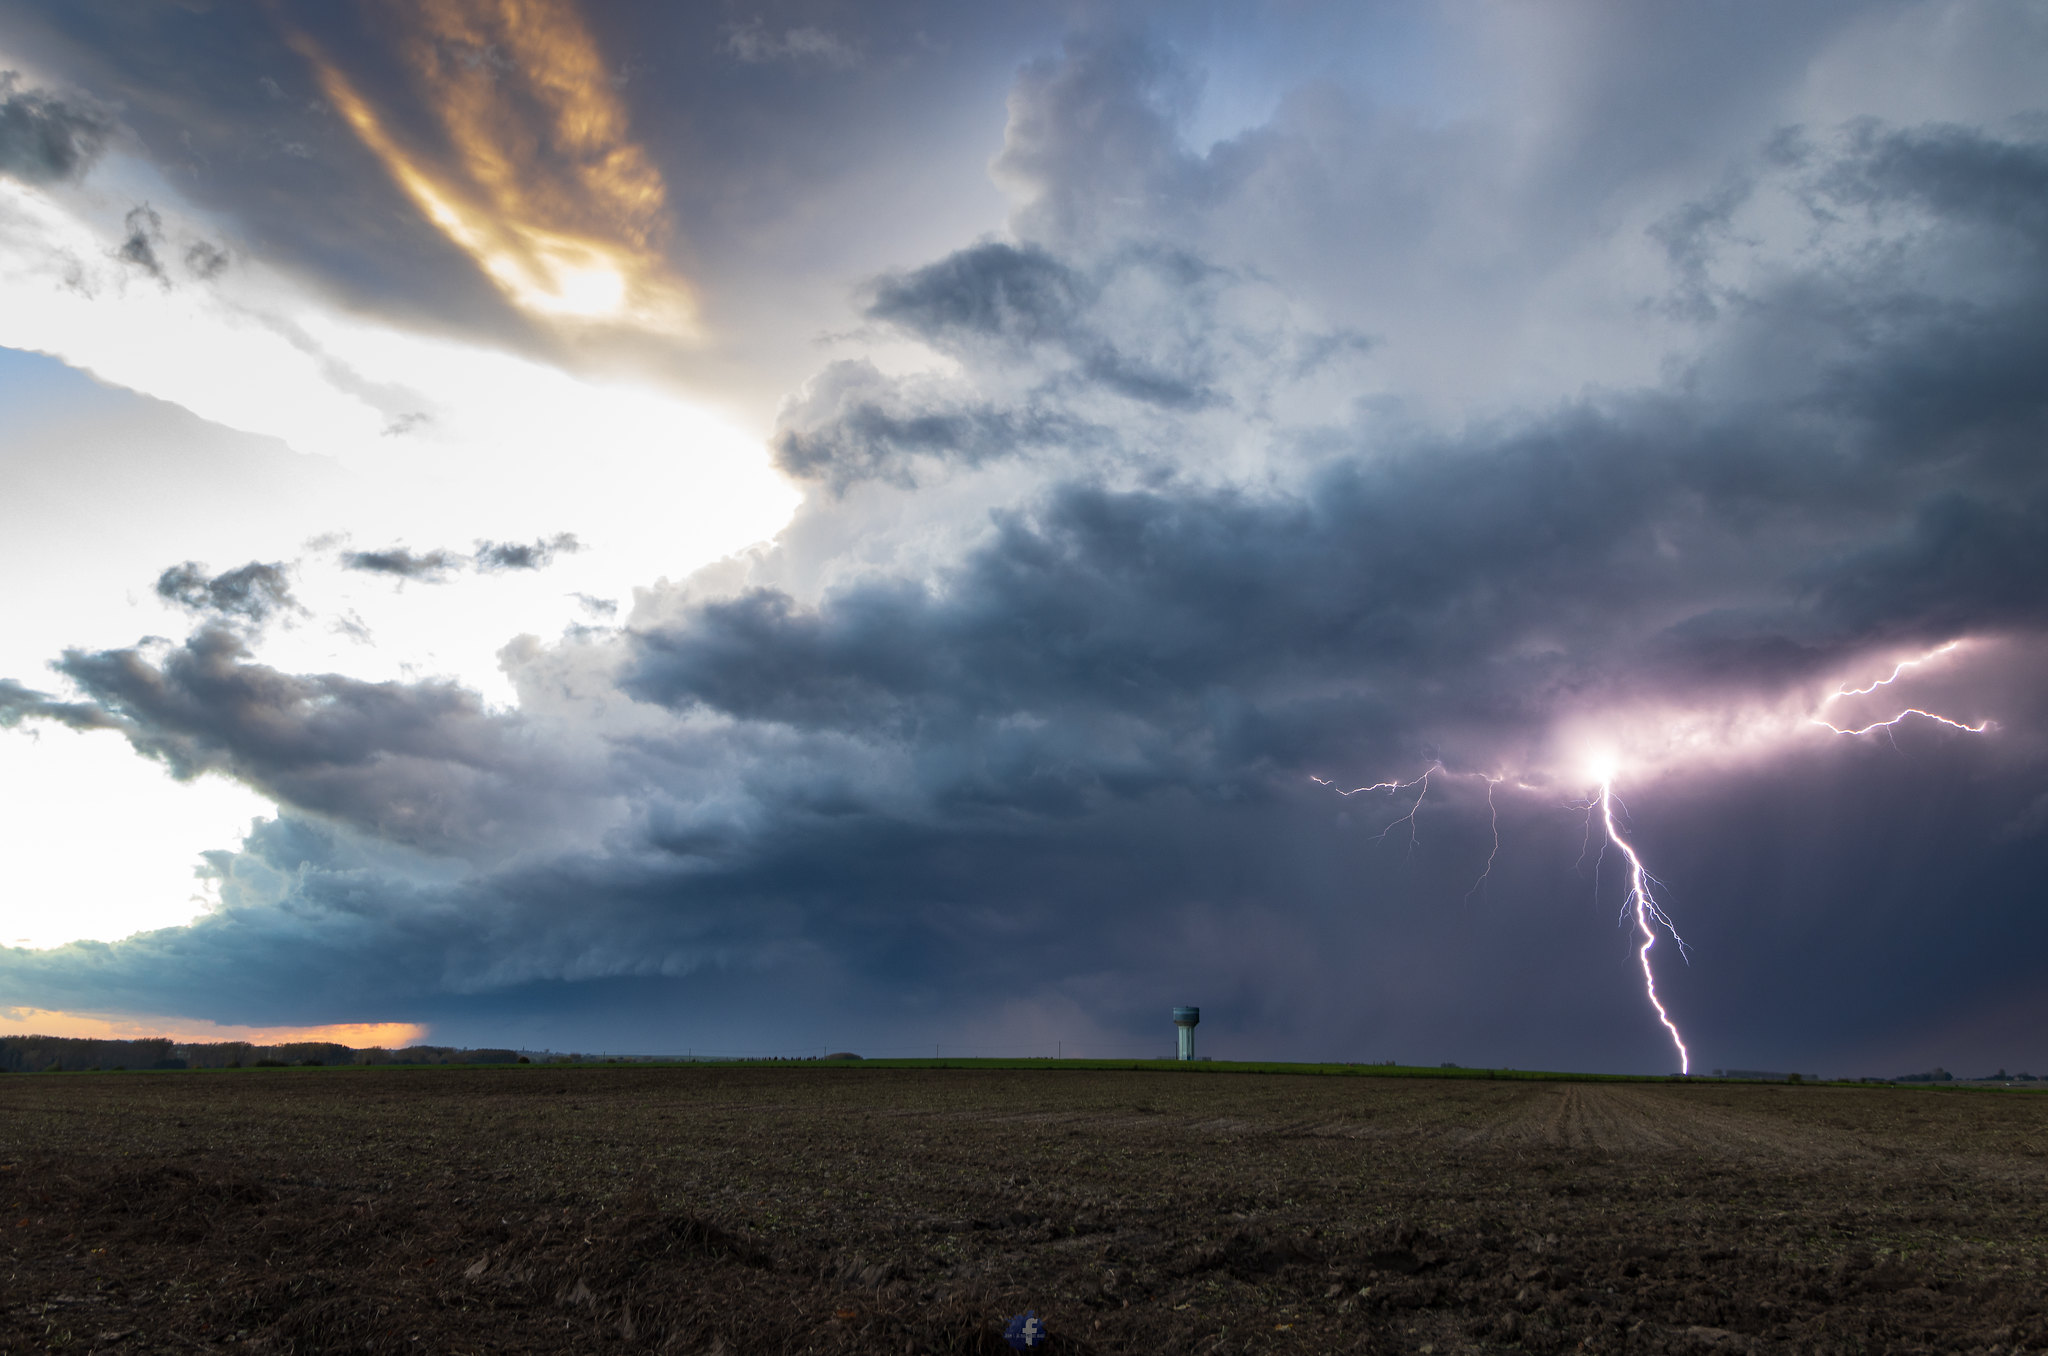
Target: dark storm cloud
402 563
534 555
273 961
1136 601
43 138
1120 658
1452 583
1023 299
1960 173
855 424
252 593
18 704
422 764
993 291
1968 563
1460 575
1064 345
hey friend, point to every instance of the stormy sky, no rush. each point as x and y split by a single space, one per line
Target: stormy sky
789 527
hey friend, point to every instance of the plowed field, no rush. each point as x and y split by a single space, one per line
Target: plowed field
877 1210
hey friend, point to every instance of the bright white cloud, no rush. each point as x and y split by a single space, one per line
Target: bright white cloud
98 843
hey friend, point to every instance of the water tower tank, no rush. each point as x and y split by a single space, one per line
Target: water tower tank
1185 1019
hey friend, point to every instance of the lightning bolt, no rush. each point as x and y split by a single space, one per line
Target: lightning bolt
1492 810
1376 786
1904 664
1390 788
1979 728
1413 810
1642 902
1493 813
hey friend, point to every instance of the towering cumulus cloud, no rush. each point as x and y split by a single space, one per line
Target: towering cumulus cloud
1226 468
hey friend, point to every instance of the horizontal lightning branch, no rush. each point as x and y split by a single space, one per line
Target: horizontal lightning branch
1979 728
1892 723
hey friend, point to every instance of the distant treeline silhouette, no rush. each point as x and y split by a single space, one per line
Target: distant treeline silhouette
47 1054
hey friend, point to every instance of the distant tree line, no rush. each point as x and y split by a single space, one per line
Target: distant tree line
1940 1075
51 1054
34 1054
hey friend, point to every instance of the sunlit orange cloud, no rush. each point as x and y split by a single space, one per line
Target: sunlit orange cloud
95 1026
539 180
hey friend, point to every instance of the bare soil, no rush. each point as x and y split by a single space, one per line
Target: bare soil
872 1210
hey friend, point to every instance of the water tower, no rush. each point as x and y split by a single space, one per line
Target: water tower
1185 1019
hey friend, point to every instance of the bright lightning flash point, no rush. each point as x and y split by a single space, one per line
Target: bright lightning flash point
1642 900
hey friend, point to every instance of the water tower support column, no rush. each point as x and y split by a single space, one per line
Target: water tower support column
1185 1019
